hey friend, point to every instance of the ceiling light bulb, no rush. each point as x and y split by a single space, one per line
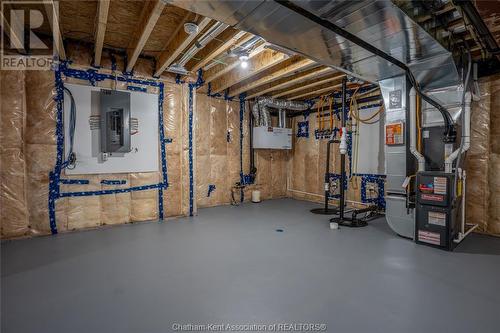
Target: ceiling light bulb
244 61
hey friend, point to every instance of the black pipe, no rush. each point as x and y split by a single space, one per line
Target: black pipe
363 210
342 156
450 133
327 174
253 169
327 171
477 22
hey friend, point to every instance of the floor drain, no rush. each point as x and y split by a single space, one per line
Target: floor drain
279 230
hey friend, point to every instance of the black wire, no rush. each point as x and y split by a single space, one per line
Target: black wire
450 133
71 159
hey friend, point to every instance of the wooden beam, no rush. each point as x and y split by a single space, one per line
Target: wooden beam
177 45
52 6
151 13
310 85
319 72
289 70
258 64
221 69
102 20
216 47
317 92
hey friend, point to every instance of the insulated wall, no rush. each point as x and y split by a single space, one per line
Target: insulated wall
13 204
28 155
308 164
217 133
483 159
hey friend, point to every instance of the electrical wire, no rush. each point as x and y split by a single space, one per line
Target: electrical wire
354 112
71 159
466 84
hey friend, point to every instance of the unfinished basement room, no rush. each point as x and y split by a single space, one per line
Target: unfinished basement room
250 166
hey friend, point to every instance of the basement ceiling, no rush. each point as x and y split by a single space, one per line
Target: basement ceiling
270 72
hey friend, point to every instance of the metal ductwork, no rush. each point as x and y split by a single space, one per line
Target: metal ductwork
237 51
380 23
262 114
207 37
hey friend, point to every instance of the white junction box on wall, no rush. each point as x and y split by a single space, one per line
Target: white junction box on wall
116 131
272 137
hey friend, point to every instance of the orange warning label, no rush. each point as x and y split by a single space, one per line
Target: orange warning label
394 134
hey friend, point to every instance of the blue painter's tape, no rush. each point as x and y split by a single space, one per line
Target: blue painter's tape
163 152
303 129
135 88
160 203
191 88
209 91
211 188
114 191
242 98
113 182
74 181
93 77
379 181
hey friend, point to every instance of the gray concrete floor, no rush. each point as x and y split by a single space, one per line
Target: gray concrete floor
230 265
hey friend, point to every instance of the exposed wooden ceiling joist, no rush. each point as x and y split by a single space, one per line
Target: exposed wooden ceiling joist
221 69
315 92
150 15
310 85
256 65
289 70
178 44
316 73
52 12
102 19
224 41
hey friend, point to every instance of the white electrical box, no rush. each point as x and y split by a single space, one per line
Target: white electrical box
272 137
136 152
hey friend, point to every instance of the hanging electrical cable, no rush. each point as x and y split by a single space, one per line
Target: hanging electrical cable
354 112
71 159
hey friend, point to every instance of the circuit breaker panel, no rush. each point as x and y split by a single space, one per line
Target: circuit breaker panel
115 121
115 131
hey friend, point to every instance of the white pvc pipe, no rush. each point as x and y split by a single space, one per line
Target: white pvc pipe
465 144
413 131
464 178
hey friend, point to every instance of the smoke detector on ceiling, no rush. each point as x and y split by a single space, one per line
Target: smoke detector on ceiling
191 28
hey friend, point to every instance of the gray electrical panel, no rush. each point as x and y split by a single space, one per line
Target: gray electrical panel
115 121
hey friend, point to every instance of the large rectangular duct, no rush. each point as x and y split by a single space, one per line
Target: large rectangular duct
380 23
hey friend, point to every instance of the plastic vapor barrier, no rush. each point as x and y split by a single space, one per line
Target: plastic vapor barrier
13 205
28 156
306 180
478 160
217 158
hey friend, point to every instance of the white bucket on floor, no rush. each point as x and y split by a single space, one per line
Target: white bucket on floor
255 196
